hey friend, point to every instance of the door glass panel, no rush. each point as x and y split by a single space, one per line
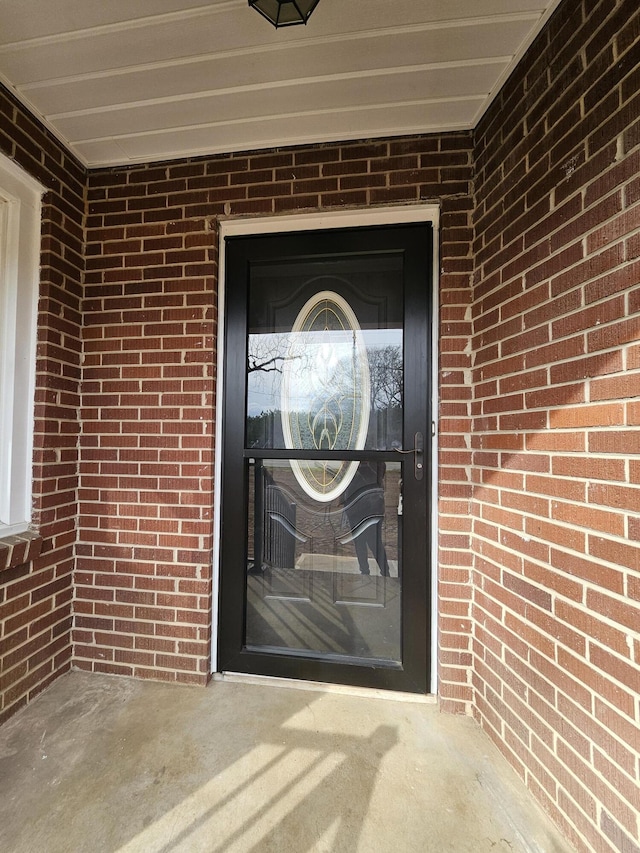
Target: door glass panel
325 374
324 576
325 359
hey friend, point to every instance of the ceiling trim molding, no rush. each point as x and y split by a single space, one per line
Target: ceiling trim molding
515 61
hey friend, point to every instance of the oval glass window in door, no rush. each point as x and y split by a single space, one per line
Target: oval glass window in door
326 397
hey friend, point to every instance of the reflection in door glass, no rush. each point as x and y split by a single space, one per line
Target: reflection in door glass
325 395
325 355
324 578
268 354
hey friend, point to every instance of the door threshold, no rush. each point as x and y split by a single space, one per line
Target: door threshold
322 687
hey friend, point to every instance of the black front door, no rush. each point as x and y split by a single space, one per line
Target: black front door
326 457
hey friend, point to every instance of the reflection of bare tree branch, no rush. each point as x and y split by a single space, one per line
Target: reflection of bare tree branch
268 353
268 366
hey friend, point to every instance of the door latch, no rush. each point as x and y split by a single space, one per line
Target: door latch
418 455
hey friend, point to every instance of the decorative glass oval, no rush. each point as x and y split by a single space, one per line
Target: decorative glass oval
326 393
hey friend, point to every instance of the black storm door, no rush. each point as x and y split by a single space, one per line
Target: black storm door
325 537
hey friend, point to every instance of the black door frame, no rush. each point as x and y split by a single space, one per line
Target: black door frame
416 215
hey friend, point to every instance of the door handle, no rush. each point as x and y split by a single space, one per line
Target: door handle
418 455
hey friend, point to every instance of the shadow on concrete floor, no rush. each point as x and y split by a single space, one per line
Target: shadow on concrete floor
105 764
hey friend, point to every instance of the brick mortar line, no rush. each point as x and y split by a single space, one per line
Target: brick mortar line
613 350
174 641
135 635
620 538
581 191
584 454
624 401
557 478
38 651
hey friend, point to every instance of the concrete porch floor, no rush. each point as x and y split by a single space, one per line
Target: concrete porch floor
106 764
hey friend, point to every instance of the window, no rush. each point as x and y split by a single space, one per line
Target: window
20 206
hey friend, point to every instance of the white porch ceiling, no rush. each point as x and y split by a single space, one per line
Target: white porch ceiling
129 81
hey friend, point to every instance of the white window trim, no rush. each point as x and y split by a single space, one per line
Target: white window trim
20 217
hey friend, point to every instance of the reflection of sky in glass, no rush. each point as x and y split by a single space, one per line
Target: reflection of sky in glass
270 350
320 364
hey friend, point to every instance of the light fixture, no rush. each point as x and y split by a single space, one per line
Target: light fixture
285 13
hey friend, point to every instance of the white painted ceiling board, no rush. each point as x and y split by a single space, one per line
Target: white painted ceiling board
326 96
30 19
131 81
268 132
178 42
218 76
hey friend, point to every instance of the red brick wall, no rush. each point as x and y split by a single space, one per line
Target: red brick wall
540 410
143 575
36 571
143 603
556 417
